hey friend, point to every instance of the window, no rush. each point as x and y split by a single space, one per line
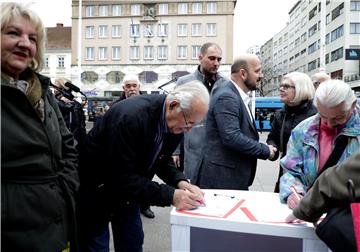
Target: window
311 65
354 28
61 61
211 8
103 53
134 52
211 30
303 37
162 52
149 31
135 9
148 52
90 11
89 32
313 47
337 11
116 53
313 13
355 5
103 31
116 31
327 58
134 30
337 54
196 8
89 53
163 9
195 51
312 30
337 33
163 30
327 19
327 38
116 10
182 8
196 30
182 52
182 30
103 10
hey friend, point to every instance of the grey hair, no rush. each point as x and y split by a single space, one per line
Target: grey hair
334 92
131 77
304 88
186 93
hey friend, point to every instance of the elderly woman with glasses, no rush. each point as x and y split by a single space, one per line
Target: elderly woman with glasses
38 164
297 92
314 142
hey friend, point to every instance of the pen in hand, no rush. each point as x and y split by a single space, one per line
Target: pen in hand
297 195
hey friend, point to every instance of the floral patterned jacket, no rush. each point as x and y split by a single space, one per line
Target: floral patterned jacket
302 158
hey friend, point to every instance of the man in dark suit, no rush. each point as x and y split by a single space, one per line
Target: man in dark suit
131 87
134 141
232 141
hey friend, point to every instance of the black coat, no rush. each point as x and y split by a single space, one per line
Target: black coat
119 151
292 116
38 173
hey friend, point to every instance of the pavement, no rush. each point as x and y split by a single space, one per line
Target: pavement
158 230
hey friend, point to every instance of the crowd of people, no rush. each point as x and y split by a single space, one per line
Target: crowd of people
61 186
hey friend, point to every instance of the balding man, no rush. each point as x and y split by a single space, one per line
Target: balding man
232 141
318 78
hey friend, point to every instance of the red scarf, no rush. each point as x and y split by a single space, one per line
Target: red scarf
326 139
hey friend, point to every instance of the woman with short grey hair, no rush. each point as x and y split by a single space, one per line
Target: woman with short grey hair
297 92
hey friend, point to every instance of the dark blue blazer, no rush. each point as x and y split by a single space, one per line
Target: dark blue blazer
120 149
232 143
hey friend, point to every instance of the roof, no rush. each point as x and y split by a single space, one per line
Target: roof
58 37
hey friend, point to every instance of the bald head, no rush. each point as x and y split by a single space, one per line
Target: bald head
246 72
319 78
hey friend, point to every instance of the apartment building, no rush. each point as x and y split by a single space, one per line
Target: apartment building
317 38
158 40
57 52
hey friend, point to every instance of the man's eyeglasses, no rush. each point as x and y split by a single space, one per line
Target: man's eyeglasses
187 124
286 86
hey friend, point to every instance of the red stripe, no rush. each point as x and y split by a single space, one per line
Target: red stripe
248 213
216 216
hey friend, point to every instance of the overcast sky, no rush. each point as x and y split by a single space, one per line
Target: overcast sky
256 21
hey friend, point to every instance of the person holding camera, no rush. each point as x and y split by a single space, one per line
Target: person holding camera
71 110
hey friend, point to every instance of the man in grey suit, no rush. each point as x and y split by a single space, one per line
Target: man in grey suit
193 143
232 141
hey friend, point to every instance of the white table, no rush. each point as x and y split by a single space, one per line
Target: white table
241 221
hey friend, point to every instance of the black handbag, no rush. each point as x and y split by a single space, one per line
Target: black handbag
337 230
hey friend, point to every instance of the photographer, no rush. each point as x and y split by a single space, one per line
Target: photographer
71 110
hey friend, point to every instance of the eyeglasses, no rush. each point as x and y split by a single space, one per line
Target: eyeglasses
286 86
187 125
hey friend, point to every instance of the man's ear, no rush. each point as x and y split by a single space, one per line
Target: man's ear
173 104
243 73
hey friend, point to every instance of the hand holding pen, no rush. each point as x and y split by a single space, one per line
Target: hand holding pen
294 198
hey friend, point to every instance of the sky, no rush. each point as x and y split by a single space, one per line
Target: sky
255 21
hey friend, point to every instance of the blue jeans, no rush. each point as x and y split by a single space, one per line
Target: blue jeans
126 225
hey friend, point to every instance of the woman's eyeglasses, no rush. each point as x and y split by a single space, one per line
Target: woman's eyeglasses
286 86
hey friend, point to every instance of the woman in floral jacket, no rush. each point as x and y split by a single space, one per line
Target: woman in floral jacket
313 140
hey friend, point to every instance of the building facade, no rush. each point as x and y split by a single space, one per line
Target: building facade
57 52
158 40
317 37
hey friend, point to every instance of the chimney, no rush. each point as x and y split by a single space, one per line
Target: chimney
59 25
